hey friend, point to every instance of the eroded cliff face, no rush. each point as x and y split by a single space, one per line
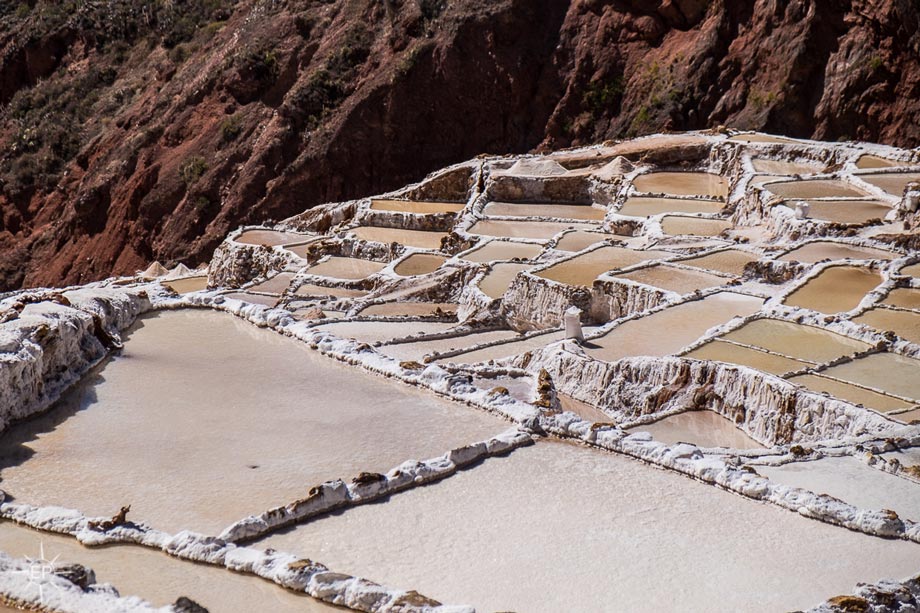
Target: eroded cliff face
132 131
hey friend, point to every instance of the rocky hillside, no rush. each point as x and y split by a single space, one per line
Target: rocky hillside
133 130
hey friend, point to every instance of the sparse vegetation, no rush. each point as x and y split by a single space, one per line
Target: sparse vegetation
600 96
193 169
230 128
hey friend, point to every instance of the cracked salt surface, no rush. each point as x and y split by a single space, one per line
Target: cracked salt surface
557 527
200 407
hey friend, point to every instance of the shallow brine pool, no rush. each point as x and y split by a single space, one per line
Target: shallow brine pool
835 289
556 527
159 578
701 428
811 253
204 419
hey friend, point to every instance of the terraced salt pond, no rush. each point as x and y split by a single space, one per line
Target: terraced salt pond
673 278
275 285
410 309
410 238
783 167
578 240
903 297
504 350
815 188
846 211
201 431
523 229
268 301
888 372
377 331
188 285
419 349
852 481
905 324
670 330
835 289
419 264
456 541
729 261
338 267
851 393
158 578
868 161
701 428
585 268
811 253
893 183
639 206
560 211
730 353
682 184
497 280
311 289
503 250
272 238
676 225
410 206
796 340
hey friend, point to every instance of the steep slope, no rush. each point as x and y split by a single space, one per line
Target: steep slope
133 131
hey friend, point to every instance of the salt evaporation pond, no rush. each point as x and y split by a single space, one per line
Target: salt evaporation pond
497 536
578 240
796 340
497 280
676 225
187 285
670 330
158 578
682 184
701 428
868 161
888 372
730 353
729 261
585 268
911 271
376 331
852 481
851 393
815 188
271 238
765 139
502 250
410 309
311 289
418 349
817 251
639 206
179 433
339 267
903 297
423 208
673 278
783 167
419 264
893 183
523 229
275 285
905 324
409 238
268 301
845 211
835 289
560 211
497 352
